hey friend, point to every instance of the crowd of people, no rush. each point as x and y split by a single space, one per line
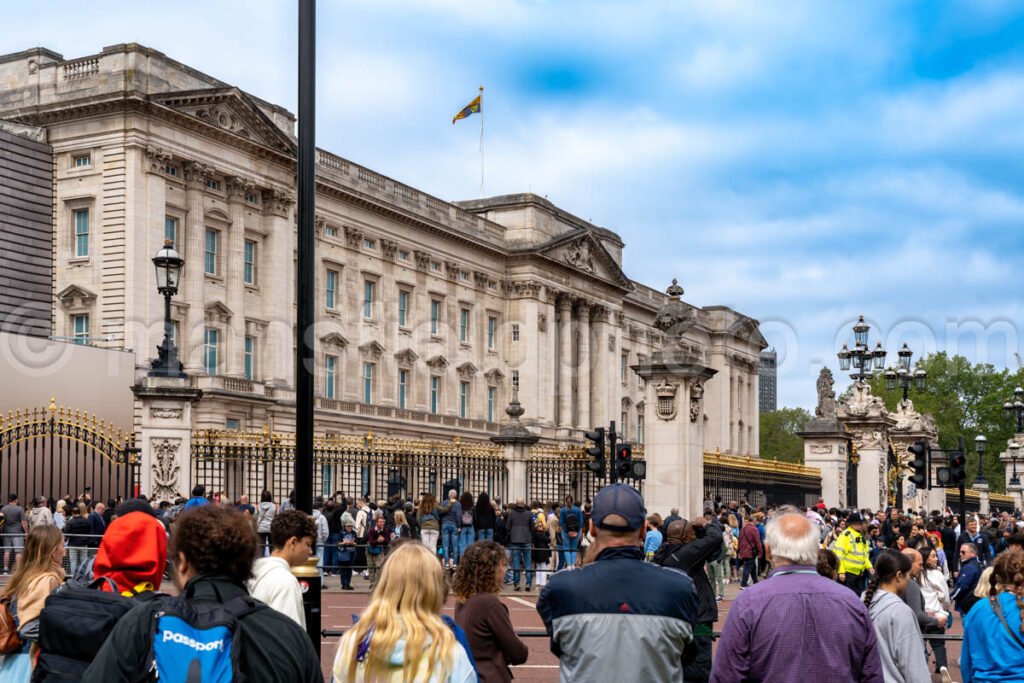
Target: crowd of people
824 593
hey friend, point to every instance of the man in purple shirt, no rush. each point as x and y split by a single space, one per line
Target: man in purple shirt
796 625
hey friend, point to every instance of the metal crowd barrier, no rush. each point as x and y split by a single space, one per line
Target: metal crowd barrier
715 635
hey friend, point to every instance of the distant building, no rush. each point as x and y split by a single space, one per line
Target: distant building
26 232
769 381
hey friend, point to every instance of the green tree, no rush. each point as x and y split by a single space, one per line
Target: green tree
964 400
779 429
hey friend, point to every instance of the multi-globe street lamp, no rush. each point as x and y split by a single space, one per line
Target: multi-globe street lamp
902 376
980 445
861 358
168 265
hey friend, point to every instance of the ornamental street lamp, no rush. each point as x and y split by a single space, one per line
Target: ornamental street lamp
1015 408
1014 454
862 359
980 442
168 273
902 376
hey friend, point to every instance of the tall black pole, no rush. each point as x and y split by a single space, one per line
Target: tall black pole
304 294
613 474
308 575
963 488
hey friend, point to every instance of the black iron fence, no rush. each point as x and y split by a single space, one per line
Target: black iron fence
760 482
236 464
57 452
553 472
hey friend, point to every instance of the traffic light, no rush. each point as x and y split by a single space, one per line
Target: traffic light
919 464
957 463
596 451
626 466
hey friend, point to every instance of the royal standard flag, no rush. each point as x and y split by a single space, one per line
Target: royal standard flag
471 108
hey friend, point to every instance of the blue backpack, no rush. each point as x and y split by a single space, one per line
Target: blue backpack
194 642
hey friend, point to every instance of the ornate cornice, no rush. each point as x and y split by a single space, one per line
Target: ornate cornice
276 203
237 187
388 248
157 158
423 259
196 174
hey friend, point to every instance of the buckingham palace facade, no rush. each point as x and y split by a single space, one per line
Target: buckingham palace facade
428 310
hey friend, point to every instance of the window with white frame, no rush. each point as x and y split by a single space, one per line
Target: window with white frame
171 170
624 421
435 393
403 388
623 366
81 217
463 399
331 289
368 369
492 332
249 267
403 255
82 160
250 357
639 426
212 184
212 247
80 326
211 349
369 295
492 393
330 375
515 332
232 424
171 229
369 244
464 325
435 317
403 308
331 231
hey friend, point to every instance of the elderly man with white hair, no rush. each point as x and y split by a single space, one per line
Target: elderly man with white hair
796 625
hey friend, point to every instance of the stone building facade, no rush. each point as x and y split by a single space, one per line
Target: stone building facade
428 310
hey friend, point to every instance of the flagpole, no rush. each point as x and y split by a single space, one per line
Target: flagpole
481 142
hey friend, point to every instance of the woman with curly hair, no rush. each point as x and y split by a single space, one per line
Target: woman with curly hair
483 616
993 648
400 636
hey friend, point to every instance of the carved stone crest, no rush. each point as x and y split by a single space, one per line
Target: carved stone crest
696 401
674 317
826 396
165 413
869 440
666 393
578 256
821 448
165 468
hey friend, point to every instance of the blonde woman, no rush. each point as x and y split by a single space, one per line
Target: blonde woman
400 637
38 574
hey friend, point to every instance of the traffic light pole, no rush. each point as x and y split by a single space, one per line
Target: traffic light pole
613 476
963 489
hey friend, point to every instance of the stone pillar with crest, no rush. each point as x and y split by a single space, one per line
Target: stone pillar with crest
826 445
864 417
165 436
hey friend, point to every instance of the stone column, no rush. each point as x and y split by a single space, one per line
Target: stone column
1007 461
281 258
825 447
599 376
190 345
165 405
583 368
516 439
234 266
565 363
984 505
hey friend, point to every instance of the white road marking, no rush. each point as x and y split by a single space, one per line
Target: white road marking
522 602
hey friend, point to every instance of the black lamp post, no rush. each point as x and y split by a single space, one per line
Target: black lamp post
862 359
1015 408
980 442
168 273
902 376
1014 454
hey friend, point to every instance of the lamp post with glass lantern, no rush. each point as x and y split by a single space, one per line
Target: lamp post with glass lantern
902 376
980 444
860 358
1014 482
168 265
1015 408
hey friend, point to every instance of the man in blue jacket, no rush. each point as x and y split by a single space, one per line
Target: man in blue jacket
970 571
619 604
570 521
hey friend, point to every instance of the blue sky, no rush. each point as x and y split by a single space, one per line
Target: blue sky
800 162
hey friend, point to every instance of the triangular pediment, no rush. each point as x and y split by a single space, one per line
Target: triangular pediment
372 350
334 339
747 328
406 357
438 363
467 370
73 295
218 312
494 376
581 251
231 110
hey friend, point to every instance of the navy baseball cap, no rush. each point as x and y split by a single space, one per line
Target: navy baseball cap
622 500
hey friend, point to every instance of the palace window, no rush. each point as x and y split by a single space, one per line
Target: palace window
403 388
403 255
403 308
492 330
232 424
491 396
171 170
250 357
249 270
367 383
464 325
80 323
330 375
212 184
212 244
623 366
211 346
331 289
463 399
435 317
171 229
435 393
369 294
331 231
369 244
82 160
515 378
81 232
251 198
515 332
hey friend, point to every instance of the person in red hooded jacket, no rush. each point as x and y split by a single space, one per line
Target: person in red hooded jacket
133 552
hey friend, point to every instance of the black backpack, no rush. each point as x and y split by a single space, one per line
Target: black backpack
572 522
73 626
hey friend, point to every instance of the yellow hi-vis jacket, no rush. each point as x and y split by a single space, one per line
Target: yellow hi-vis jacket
852 551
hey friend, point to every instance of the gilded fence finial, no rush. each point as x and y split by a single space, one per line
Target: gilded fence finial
53 404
